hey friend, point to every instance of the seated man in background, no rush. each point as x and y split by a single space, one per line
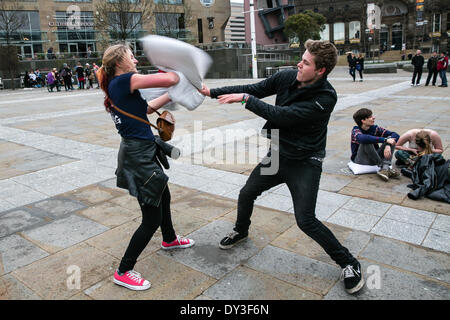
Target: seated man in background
365 140
406 153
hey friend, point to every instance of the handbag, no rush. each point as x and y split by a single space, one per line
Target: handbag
358 67
165 124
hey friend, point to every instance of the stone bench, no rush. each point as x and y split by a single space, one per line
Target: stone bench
380 68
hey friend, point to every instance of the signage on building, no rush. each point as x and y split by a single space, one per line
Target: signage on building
69 24
419 10
435 34
339 41
207 3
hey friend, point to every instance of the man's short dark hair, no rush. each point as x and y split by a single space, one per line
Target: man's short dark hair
325 54
361 114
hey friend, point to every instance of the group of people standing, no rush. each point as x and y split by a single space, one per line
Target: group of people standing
56 79
435 65
355 64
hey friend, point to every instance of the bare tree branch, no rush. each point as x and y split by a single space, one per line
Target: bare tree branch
10 19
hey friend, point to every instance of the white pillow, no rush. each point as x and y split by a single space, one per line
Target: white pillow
153 93
177 55
185 94
362 169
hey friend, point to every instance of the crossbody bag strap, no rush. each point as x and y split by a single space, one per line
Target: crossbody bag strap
135 117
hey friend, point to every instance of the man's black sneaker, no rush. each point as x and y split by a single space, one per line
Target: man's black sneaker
353 278
231 239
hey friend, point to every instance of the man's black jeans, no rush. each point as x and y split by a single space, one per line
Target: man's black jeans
302 178
417 72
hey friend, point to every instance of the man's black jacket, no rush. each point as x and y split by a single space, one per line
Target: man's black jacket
301 114
432 64
418 61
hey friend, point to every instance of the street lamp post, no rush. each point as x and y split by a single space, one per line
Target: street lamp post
253 41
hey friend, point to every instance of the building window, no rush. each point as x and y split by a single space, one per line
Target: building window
29 30
174 2
339 31
75 36
325 33
170 24
354 28
437 22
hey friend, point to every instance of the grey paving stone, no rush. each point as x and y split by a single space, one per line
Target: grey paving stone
17 220
110 183
353 219
66 232
442 223
392 285
207 257
16 252
38 164
367 206
333 183
5 205
438 240
13 289
400 230
58 207
331 198
187 180
302 271
408 257
219 188
247 284
18 194
409 215
275 201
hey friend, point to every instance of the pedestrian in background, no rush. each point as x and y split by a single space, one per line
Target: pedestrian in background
352 65
417 61
66 74
432 69
89 76
360 66
442 69
80 76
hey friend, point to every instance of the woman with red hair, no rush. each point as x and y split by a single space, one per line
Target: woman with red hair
138 169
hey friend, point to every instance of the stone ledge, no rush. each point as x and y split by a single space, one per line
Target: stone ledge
381 68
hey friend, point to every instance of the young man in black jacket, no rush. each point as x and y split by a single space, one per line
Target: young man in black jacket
432 69
299 119
417 61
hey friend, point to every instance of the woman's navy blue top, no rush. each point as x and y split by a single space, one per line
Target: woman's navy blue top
131 102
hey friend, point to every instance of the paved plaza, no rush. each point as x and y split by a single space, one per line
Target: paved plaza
62 217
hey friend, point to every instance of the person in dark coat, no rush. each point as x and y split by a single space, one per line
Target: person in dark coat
432 69
297 126
351 59
417 61
360 66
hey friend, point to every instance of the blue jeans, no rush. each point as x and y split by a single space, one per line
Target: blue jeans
302 178
443 76
352 72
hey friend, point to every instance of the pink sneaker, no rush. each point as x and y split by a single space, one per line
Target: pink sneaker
131 280
178 243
